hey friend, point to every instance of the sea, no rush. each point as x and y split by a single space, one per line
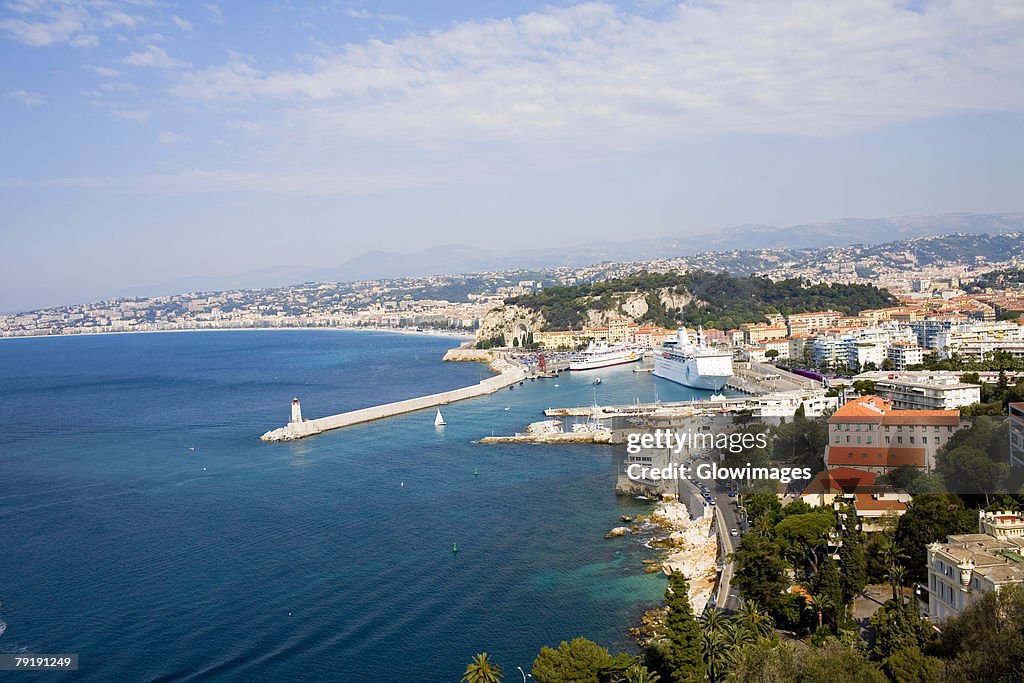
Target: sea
146 528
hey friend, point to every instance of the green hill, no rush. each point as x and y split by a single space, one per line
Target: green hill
718 300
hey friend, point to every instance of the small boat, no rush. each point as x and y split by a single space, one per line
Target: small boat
476 473
439 419
597 380
191 448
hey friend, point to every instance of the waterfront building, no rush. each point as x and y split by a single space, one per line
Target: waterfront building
798 343
930 393
757 333
803 323
869 434
780 345
961 570
1016 411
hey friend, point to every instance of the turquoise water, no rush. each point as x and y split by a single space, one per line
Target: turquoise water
307 560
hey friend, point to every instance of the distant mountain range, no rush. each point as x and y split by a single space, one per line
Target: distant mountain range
458 258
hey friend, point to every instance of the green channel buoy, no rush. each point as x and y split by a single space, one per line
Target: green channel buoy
455 548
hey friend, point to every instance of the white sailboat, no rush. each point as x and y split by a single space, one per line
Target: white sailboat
439 419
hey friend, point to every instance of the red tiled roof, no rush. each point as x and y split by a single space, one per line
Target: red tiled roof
866 501
867 456
879 410
839 479
922 417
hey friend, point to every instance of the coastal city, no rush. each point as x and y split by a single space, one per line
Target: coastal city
588 341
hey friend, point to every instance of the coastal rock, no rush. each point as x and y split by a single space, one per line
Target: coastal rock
652 626
461 355
695 549
616 532
626 518
544 427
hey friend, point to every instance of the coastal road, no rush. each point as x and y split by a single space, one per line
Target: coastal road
726 518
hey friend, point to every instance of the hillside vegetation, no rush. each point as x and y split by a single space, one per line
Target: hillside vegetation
718 300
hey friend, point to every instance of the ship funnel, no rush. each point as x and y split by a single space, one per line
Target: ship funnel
682 336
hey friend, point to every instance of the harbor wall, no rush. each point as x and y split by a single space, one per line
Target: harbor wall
510 374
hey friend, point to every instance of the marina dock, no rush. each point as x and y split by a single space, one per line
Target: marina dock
509 374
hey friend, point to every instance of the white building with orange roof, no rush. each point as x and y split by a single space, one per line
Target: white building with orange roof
903 354
867 433
803 323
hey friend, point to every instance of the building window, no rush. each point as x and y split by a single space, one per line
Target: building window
858 438
924 439
911 439
887 439
899 439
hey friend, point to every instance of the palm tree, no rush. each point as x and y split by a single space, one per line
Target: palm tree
716 653
713 621
896 576
641 674
815 604
482 670
764 526
753 619
739 635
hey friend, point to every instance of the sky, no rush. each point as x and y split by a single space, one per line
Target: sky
150 140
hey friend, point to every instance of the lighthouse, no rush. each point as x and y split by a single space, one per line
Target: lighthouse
296 412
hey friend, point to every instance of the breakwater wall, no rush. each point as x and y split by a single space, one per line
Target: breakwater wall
509 374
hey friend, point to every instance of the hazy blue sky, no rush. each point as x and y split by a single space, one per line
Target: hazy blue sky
147 140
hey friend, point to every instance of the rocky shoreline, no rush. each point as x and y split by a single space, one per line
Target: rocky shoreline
692 549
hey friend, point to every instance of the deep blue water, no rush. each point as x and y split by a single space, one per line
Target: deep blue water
306 560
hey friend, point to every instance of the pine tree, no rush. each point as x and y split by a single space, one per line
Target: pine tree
684 648
853 562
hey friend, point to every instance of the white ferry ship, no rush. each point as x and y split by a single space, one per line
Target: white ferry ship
601 355
693 364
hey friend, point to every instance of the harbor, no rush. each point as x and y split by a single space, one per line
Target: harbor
510 372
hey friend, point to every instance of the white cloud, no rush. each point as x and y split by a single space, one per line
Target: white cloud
354 13
182 24
26 97
131 115
169 138
104 71
76 22
597 75
153 56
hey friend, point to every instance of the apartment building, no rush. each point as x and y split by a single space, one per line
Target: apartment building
1016 434
803 323
869 434
931 393
967 566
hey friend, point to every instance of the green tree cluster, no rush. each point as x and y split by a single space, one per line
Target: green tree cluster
720 300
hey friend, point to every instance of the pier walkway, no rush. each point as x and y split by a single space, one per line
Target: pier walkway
510 373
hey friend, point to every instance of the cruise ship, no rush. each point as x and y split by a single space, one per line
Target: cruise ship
693 364
601 355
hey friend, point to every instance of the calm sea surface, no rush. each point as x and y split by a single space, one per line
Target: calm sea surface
308 560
